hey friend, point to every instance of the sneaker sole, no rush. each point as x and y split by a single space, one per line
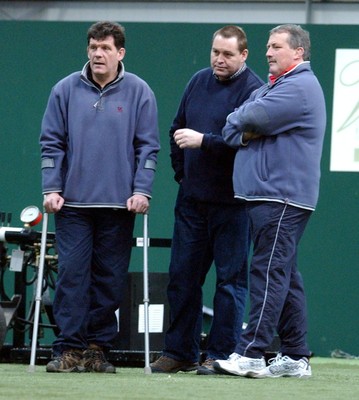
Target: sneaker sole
298 376
221 370
244 374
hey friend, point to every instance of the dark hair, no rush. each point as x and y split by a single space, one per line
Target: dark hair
101 30
298 37
229 31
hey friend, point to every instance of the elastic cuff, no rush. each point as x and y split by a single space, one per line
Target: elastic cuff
241 142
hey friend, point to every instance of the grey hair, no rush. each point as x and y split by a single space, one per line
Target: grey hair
298 37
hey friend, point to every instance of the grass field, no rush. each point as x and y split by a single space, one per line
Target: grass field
332 379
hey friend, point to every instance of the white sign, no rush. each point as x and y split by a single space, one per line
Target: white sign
345 121
156 314
17 260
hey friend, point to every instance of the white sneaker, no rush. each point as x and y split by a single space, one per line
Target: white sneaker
286 367
240 365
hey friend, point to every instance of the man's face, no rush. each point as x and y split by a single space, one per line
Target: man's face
226 59
280 56
104 58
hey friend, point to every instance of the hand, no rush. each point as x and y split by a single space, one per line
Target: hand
247 136
188 138
138 204
53 202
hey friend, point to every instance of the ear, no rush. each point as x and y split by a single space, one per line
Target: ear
300 52
121 54
244 54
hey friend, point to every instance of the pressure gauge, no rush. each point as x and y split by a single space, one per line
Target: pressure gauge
31 215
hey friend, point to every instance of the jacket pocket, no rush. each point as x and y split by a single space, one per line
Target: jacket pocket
263 165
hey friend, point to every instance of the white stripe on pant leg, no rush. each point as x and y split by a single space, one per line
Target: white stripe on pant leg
267 281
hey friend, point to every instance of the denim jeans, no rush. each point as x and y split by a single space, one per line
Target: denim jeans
204 233
94 249
277 299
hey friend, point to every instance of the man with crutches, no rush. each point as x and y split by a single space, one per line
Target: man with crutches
99 143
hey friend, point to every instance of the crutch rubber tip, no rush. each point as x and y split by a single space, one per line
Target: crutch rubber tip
31 368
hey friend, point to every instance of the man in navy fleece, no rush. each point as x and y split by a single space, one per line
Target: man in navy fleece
210 225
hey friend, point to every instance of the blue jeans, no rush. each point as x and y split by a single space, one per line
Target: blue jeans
204 233
94 249
277 299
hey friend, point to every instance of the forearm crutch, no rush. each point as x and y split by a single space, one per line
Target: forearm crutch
146 299
38 295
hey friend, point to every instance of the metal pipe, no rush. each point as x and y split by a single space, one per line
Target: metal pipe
38 297
146 299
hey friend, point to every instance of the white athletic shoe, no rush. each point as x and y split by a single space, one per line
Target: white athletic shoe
286 367
240 365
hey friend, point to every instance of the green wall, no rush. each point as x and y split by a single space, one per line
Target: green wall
35 55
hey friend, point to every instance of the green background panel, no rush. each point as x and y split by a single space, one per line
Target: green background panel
35 55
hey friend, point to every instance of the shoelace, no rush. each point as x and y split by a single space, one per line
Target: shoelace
96 355
234 357
283 359
276 360
71 355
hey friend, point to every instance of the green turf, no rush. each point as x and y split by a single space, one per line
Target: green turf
332 379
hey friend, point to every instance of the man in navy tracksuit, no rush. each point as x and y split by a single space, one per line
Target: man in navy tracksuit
279 135
99 143
210 225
